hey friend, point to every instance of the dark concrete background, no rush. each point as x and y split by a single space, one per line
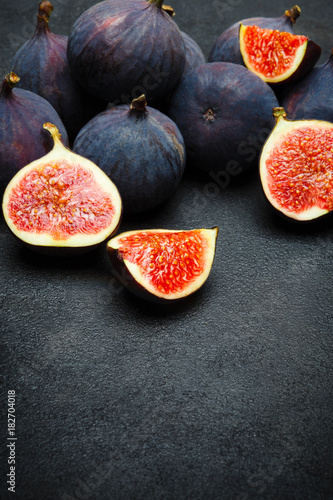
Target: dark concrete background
226 396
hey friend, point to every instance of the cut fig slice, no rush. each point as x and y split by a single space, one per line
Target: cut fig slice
277 56
296 167
62 201
163 265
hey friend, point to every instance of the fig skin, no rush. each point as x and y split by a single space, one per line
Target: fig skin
22 137
43 68
311 97
194 54
140 149
53 243
226 48
225 114
142 51
130 281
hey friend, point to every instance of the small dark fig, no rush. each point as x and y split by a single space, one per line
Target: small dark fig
226 47
163 265
61 204
277 57
311 97
119 50
194 54
43 68
296 167
22 138
139 148
224 113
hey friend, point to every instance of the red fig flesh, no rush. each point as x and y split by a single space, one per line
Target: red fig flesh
163 265
296 167
276 56
61 200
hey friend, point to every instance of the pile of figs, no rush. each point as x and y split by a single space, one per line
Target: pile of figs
136 101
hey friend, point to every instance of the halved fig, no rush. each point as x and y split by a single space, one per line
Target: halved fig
163 265
62 201
226 47
277 56
296 167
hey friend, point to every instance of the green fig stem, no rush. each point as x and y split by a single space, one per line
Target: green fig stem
293 13
11 79
158 3
279 113
138 106
56 136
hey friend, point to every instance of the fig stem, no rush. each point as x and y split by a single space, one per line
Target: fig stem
158 3
45 9
56 136
169 10
11 79
293 13
43 17
279 113
139 106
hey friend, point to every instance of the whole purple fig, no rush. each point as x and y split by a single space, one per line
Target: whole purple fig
43 68
22 137
139 148
121 49
224 113
226 48
311 98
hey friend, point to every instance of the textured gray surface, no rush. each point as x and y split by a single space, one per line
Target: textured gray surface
226 396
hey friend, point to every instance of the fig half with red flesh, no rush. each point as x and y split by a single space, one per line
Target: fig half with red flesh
226 48
277 56
296 167
163 265
62 201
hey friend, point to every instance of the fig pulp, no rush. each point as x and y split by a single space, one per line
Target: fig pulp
61 201
163 265
226 47
296 167
311 97
22 138
276 56
120 50
43 68
224 113
140 149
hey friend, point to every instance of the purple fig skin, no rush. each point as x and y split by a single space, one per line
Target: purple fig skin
312 97
225 114
22 137
226 48
194 54
140 149
43 68
120 50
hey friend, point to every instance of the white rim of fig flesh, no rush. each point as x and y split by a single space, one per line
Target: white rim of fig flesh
210 236
298 58
281 131
61 153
